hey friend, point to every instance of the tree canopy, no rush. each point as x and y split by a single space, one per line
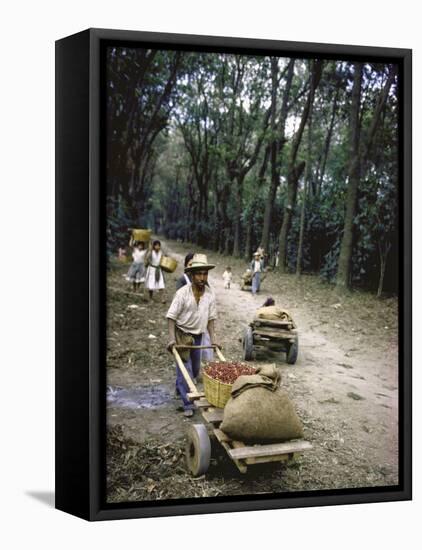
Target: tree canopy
235 151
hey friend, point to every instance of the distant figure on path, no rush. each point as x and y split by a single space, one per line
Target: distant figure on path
256 267
121 253
136 273
227 277
185 279
154 279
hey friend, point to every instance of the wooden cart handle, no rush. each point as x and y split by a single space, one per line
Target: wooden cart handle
177 346
184 372
215 348
219 354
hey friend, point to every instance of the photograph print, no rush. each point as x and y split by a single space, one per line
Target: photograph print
253 257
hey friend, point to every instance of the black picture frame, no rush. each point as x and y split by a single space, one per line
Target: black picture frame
80 278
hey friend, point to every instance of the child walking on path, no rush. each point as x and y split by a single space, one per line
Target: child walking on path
136 273
227 277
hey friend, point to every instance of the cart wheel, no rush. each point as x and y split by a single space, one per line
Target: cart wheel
198 450
248 344
292 352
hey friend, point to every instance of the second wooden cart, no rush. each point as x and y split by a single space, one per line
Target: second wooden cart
276 336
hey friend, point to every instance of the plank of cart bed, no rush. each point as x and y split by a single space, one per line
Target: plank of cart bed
265 459
221 436
273 449
225 442
280 333
193 396
272 323
202 403
214 416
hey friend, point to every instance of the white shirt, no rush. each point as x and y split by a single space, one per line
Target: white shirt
190 316
227 276
138 255
257 267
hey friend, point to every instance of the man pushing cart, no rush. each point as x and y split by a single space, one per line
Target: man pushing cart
192 312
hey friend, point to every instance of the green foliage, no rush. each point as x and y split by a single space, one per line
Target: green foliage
202 141
117 223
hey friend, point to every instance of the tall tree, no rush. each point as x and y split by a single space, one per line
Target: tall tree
306 186
277 142
294 170
200 139
243 129
316 187
140 87
359 153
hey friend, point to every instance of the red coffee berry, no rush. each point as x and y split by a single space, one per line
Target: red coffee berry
227 372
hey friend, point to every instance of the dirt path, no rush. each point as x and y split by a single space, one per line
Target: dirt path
344 386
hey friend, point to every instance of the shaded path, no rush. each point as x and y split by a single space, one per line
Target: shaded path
344 384
346 380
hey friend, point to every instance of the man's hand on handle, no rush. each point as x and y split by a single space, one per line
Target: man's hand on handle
172 335
170 345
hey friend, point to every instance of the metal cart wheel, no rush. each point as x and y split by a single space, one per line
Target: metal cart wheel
248 344
198 450
292 352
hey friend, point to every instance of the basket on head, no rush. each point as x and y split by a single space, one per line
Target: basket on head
168 264
142 235
217 393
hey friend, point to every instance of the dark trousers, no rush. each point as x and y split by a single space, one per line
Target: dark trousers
193 365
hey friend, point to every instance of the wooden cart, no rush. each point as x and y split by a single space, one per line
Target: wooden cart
273 335
246 281
198 448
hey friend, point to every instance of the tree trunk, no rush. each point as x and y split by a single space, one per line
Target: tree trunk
307 185
381 280
276 149
223 196
248 243
383 264
343 271
217 225
273 153
328 141
238 214
294 172
359 157
227 241
287 216
301 231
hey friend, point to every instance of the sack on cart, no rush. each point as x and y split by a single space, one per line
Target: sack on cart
274 313
259 410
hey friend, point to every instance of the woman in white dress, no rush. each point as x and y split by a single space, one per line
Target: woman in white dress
154 278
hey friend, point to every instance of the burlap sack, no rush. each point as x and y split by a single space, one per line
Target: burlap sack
247 277
274 313
266 376
260 415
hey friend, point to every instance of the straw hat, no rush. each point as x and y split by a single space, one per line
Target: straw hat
198 262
